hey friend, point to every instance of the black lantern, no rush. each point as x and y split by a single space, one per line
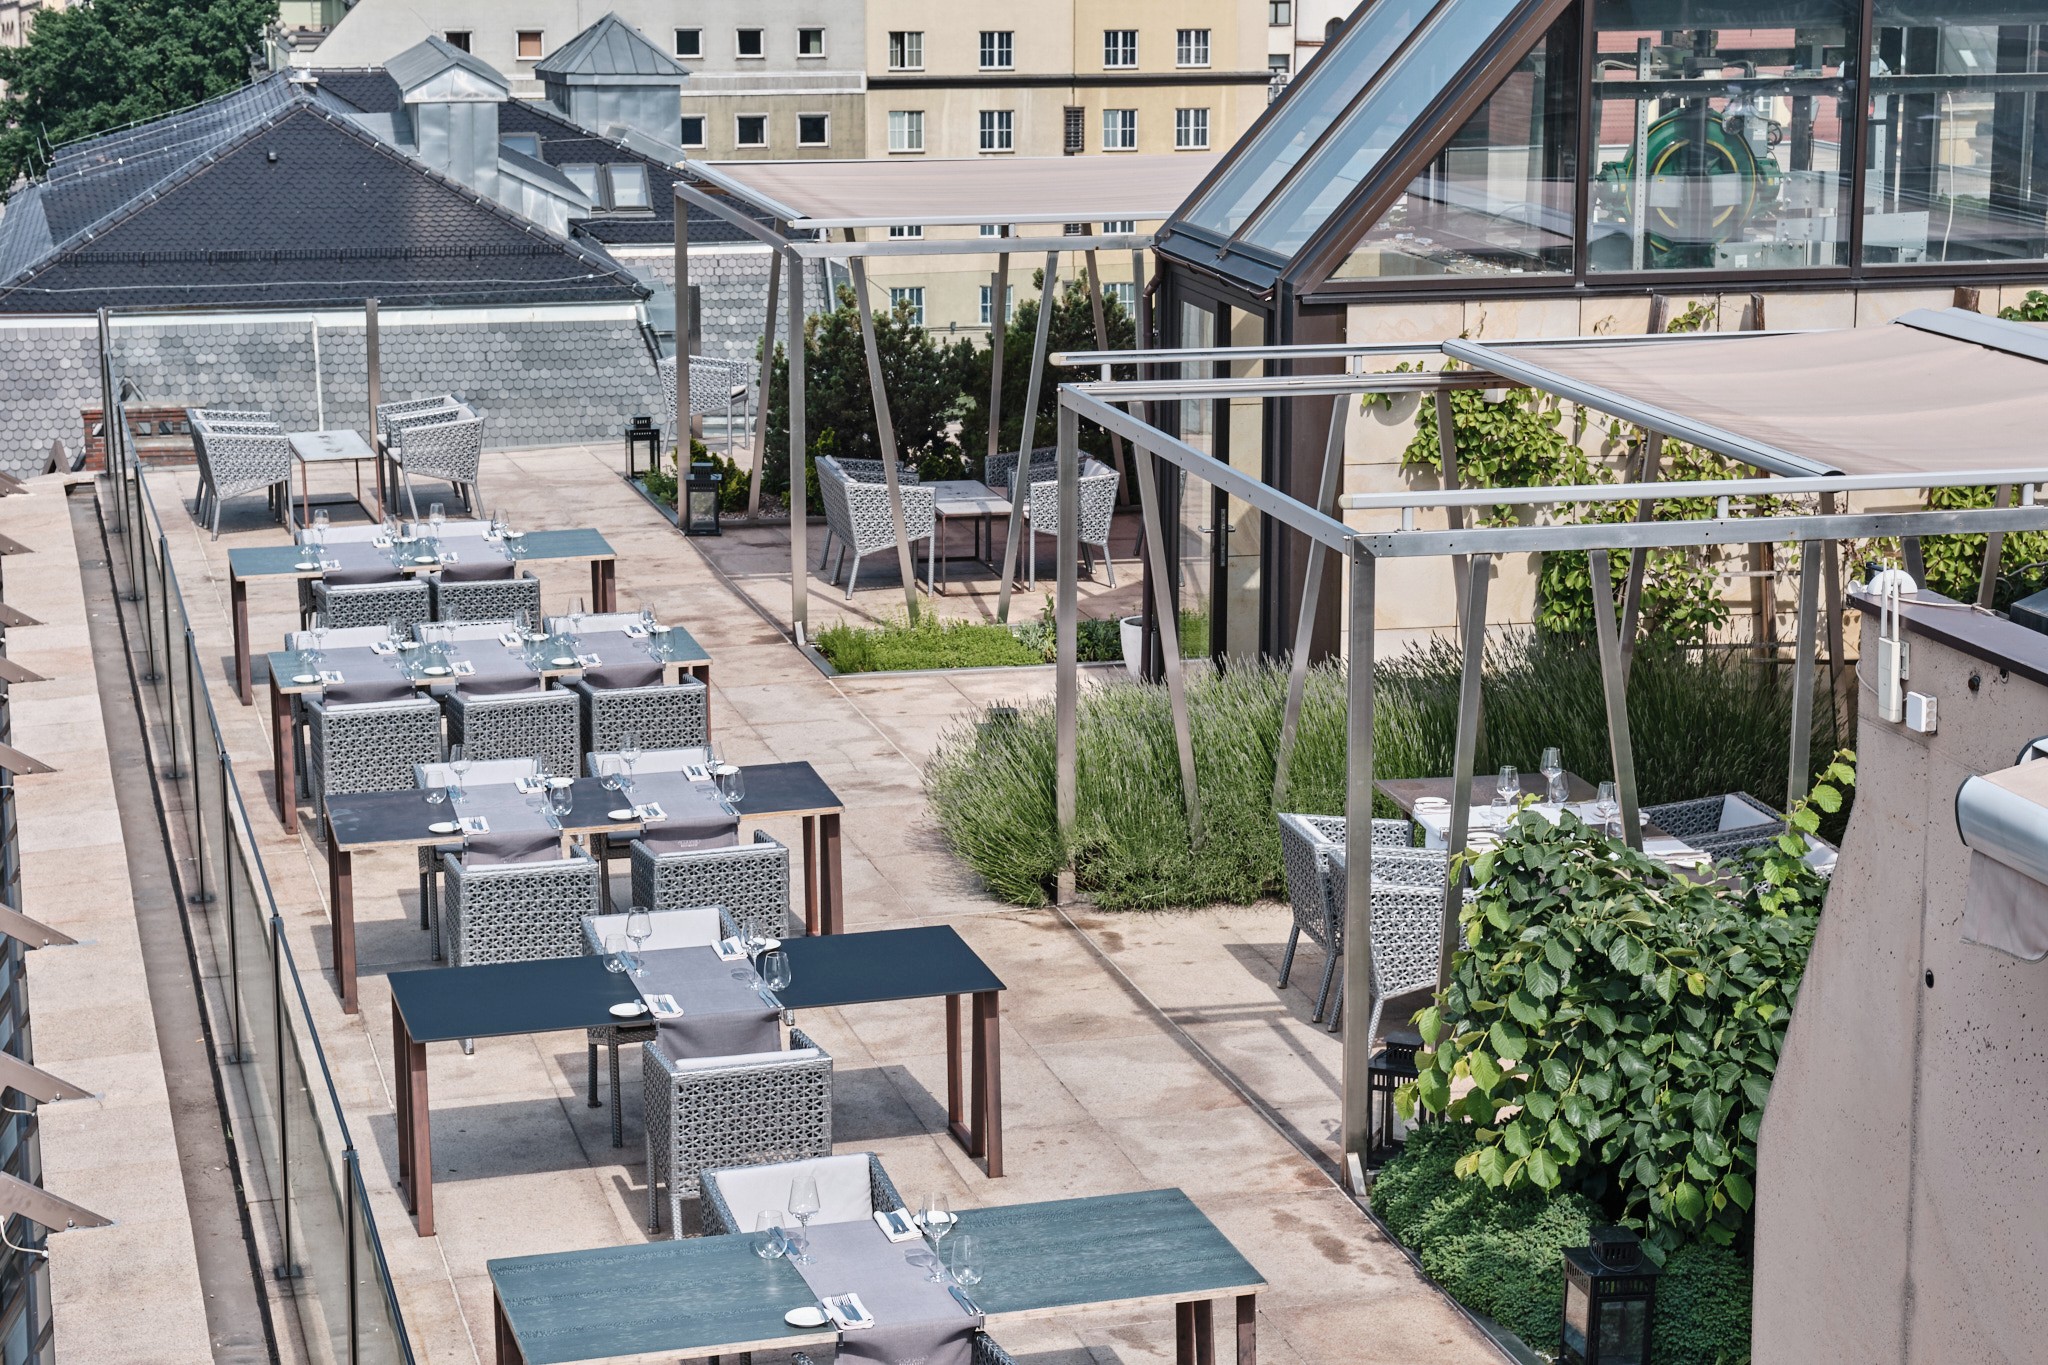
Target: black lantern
1392 1065
700 506
1610 1295
642 431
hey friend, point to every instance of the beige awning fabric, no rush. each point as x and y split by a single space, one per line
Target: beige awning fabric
1869 400
1026 189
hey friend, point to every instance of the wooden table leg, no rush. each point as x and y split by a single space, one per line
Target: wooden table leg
1205 1332
401 1051
956 1116
1247 1329
305 494
988 1082
507 1344
284 757
418 1142
238 607
831 881
810 874
1184 1334
342 914
604 585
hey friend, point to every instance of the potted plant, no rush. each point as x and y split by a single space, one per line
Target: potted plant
1131 632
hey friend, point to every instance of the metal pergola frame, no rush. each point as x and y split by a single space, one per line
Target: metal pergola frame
790 247
1472 551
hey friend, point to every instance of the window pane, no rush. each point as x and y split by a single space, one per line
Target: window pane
906 130
911 298
529 44
1958 141
689 42
1190 129
1120 47
1119 130
996 50
997 130
693 130
457 38
526 144
810 42
751 130
1498 199
1191 47
584 177
1312 106
1721 148
811 130
906 50
748 42
629 185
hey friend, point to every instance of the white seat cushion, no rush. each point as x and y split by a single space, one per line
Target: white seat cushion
695 927
843 1190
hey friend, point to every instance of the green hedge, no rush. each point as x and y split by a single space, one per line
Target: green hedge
1502 1254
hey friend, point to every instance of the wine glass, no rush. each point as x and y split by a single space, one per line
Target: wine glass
775 972
458 763
937 1215
1606 806
1507 787
966 1261
437 517
648 621
732 784
435 794
629 750
639 927
804 1205
1553 773
615 953
499 525
926 1260
770 1241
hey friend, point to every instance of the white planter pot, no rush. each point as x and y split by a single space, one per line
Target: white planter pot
1131 631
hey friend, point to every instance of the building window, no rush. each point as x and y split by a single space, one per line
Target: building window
1119 48
906 50
910 298
1278 63
998 130
998 50
457 38
749 43
991 230
689 42
530 49
906 130
583 176
1191 130
906 232
1124 293
1111 227
1009 304
525 144
1119 130
693 130
813 130
1191 47
628 183
810 42
1280 13
750 130
1074 130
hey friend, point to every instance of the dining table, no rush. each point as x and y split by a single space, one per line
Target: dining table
672 646
710 1296
554 995
1415 797
359 822
291 563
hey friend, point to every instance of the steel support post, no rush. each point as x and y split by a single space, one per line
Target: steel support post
1639 558
1994 547
1614 686
1020 481
767 377
1169 637
998 343
1916 563
1447 455
1358 765
1463 757
683 419
1116 442
373 365
885 435
1803 638
1311 596
1066 637
799 457
1831 597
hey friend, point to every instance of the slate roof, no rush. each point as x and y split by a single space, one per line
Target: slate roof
609 47
275 197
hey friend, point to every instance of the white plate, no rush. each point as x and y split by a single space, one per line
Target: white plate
305 679
629 1009
443 827
622 814
424 559
305 564
563 663
435 672
560 782
805 1317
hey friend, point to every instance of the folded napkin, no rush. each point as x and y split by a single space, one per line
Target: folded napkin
518 846
359 575
847 1312
358 693
896 1225
627 673
484 571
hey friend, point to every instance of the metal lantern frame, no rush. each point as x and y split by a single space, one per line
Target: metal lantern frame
1470 550
1597 1280
701 488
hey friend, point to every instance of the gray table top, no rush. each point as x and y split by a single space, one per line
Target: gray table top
282 561
707 1295
966 498
315 447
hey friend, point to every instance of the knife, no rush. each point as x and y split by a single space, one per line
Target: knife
960 1297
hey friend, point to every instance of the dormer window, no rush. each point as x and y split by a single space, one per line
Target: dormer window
628 182
526 144
584 176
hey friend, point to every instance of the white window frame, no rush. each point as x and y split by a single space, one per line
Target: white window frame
1119 130
1112 227
703 130
991 229
804 56
1280 13
997 131
997 49
1191 130
696 56
906 232
906 132
1009 304
1191 47
468 36
1118 55
737 140
818 114
540 33
1124 292
906 49
739 56
912 294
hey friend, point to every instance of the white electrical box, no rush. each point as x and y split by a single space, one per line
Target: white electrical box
1920 712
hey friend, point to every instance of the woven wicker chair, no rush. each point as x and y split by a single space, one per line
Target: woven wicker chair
1407 924
369 747
1002 467
1724 826
371 604
707 1112
1408 885
450 450
503 771
491 599
236 421
540 725
238 459
602 761
393 416
986 1352
857 515
750 880
696 927
516 912
731 1198
1096 491
667 715
715 384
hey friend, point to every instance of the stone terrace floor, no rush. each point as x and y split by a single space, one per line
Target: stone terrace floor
1139 1051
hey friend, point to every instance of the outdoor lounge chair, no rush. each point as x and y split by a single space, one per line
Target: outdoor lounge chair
451 450
538 724
750 880
857 514
1096 491
239 458
852 1188
667 715
342 605
715 384
1407 899
368 746
1723 826
516 912
484 593
424 775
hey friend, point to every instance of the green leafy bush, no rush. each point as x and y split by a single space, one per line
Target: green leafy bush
1702 1315
931 643
660 481
2032 308
1619 1023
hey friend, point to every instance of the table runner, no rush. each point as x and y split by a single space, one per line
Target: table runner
356 664
352 562
498 670
614 647
916 1322
692 815
504 808
721 1017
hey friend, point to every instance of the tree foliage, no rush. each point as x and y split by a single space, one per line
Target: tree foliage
92 67
1072 329
1619 1024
